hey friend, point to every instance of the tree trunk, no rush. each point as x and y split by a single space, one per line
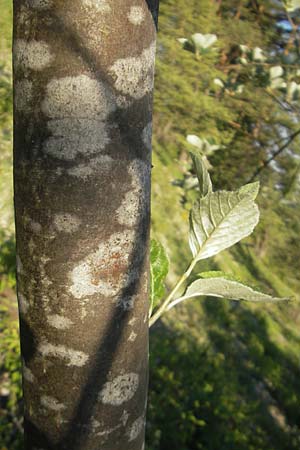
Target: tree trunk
83 83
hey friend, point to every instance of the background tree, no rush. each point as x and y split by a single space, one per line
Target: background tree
83 81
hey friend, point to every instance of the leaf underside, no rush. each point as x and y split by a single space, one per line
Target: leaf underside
222 287
204 180
221 219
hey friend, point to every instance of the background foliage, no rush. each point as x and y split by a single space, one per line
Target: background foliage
224 375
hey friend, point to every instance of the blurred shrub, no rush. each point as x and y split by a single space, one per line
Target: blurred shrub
10 378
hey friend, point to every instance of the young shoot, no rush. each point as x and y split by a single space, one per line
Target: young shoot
218 220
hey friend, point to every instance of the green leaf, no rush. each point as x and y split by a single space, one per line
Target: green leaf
292 5
159 267
276 72
293 91
250 190
203 41
276 78
221 219
219 82
195 141
258 55
204 180
218 274
224 288
200 146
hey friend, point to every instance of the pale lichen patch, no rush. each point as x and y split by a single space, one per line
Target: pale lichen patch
132 321
52 403
127 213
132 336
108 431
84 283
134 75
23 303
146 282
59 322
124 418
71 356
35 55
74 136
79 97
19 265
94 275
24 18
35 226
85 170
139 171
133 207
32 248
95 424
78 107
97 5
147 136
119 390
136 15
27 373
136 428
66 222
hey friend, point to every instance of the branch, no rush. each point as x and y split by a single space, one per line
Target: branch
255 63
285 105
275 154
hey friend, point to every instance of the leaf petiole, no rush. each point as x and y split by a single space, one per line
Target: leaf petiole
164 305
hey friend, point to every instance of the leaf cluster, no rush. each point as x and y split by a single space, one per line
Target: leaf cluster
218 220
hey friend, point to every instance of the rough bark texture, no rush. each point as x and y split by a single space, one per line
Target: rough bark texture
83 82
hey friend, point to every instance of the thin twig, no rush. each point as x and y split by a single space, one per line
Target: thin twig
275 154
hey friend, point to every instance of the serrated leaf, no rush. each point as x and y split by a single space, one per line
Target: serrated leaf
224 288
159 267
250 190
221 219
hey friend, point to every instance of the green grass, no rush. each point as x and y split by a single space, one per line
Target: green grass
6 8
6 209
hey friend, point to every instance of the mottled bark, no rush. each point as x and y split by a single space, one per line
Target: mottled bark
83 83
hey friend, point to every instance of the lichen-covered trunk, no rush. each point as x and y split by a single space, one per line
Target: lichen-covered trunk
83 84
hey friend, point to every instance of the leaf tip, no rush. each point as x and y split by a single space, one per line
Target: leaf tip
250 190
